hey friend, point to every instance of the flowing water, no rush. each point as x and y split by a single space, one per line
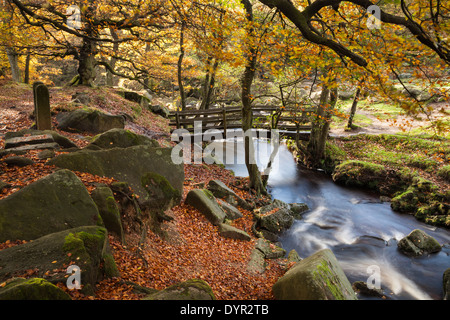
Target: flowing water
361 231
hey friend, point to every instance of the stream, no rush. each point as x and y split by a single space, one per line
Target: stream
361 230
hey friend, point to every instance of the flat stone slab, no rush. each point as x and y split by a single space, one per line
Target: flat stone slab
29 140
41 146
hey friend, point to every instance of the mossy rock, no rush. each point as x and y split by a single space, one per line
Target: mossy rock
317 277
108 209
231 232
120 138
88 120
56 202
446 284
418 243
161 194
127 165
220 190
87 247
360 174
31 289
277 222
193 289
205 202
406 202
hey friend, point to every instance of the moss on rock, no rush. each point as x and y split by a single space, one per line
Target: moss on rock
194 289
360 174
31 289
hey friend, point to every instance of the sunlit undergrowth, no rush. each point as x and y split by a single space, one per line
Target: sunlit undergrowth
402 152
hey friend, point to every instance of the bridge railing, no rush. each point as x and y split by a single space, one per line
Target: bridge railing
264 117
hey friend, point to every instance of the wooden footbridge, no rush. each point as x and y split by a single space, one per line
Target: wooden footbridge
290 122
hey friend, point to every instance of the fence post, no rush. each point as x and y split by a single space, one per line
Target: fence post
177 119
224 119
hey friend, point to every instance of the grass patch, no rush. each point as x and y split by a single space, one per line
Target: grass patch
382 111
399 151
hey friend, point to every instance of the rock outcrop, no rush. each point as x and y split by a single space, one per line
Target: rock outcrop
54 203
317 277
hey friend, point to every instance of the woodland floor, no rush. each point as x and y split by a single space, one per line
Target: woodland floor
195 250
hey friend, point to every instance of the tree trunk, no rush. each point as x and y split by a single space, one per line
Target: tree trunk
320 127
13 58
86 55
353 110
180 67
112 62
209 83
255 178
26 77
86 67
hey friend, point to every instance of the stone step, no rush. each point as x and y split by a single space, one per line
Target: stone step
40 146
29 140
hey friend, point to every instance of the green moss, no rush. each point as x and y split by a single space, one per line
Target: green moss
405 202
444 173
110 267
333 156
84 244
31 289
360 174
324 274
160 189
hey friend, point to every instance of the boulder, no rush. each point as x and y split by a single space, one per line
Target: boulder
160 110
257 262
362 288
277 222
121 138
56 202
231 232
126 164
446 284
270 250
189 290
318 277
161 194
88 120
46 154
296 209
205 202
49 256
31 289
360 174
418 243
108 209
16 161
293 256
220 190
232 212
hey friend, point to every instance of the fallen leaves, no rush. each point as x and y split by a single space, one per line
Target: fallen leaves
194 250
